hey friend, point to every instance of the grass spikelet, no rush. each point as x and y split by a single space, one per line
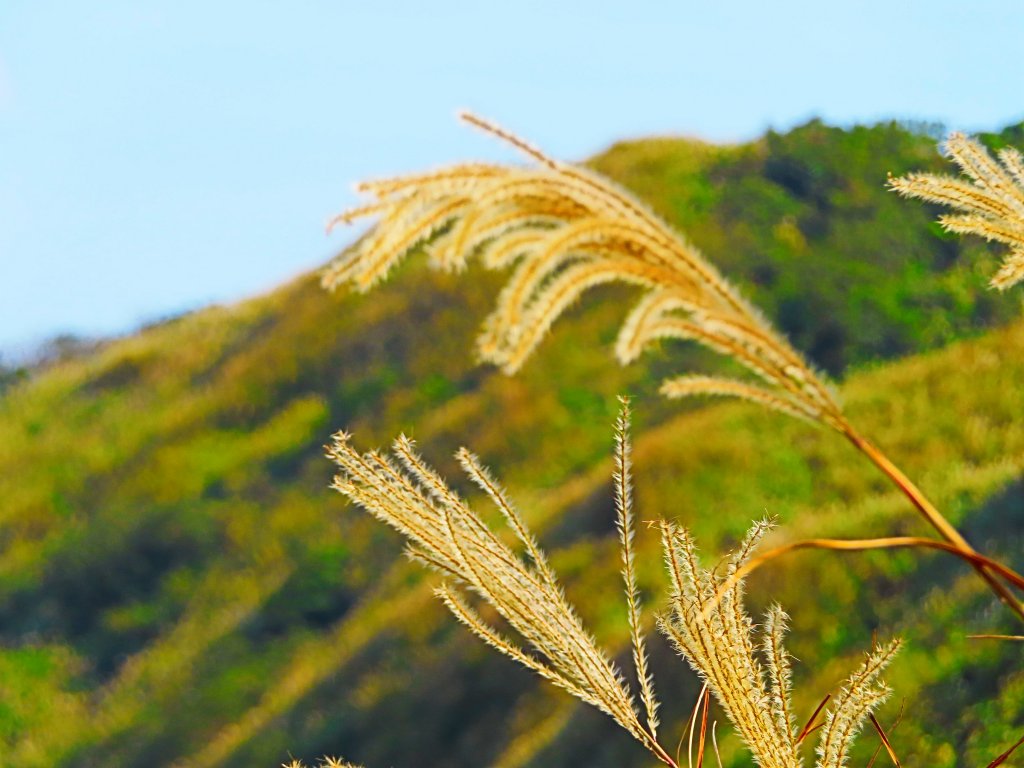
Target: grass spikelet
710 628
851 707
623 481
779 671
991 199
715 386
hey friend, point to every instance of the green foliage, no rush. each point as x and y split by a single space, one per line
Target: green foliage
176 580
34 692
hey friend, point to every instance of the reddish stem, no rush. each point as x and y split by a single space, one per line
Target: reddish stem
935 518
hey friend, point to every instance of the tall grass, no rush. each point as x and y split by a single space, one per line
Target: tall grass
564 230
706 622
990 199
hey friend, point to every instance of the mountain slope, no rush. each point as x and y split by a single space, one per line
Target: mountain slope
178 584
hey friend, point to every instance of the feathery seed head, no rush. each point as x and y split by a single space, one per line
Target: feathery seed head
445 534
710 628
990 199
563 230
707 624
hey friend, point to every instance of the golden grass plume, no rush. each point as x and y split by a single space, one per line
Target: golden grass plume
990 199
448 536
707 622
710 628
563 230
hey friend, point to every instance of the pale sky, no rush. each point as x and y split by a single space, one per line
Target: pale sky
158 156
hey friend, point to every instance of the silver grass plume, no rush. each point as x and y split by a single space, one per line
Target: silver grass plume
710 628
446 535
991 199
564 229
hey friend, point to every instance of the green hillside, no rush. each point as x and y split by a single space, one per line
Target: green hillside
178 585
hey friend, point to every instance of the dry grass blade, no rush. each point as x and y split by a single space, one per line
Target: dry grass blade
1016 638
809 726
714 743
885 741
702 739
991 199
935 518
893 727
860 545
691 725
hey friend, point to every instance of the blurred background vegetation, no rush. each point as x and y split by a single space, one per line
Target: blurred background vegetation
179 586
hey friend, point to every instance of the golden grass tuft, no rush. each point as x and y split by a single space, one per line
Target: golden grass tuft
325 762
446 535
706 623
991 199
709 627
563 230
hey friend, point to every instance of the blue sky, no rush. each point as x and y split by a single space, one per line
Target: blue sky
158 156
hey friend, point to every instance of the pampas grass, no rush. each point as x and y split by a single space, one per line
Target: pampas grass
990 199
710 628
706 621
562 230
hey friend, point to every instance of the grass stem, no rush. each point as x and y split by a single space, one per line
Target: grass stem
934 518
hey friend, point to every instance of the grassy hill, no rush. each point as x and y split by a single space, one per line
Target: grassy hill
178 585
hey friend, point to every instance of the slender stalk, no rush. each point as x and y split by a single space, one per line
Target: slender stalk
935 518
861 545
660 753
911 491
